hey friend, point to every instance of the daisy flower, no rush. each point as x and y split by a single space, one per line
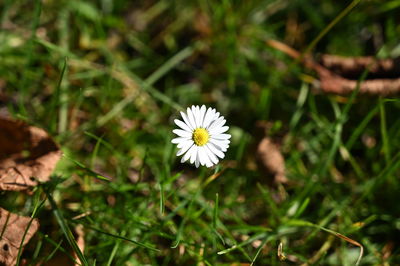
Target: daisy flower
201 137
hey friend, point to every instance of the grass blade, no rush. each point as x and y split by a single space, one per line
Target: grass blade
66 231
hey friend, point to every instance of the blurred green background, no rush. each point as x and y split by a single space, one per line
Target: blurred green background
106 79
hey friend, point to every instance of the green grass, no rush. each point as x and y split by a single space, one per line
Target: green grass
107 78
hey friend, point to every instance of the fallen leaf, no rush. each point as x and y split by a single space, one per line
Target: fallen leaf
271 158
332 83
13 228
387 251
202 24
355 66
340 75
27 155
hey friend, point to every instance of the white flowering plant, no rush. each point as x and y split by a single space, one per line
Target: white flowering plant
202 137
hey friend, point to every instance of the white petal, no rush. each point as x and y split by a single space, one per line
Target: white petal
204 156
202 115
218 130
191 118
208 117
198 158
182 125
220 145
218 123
222 149
222 136
182 133
215 121
185 148
188 154
211 155
179 140
197 115
187 122
184 143
208 162
219 142
193 155
211 164
215 150
194 113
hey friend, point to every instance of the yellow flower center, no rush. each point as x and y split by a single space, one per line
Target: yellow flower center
200 136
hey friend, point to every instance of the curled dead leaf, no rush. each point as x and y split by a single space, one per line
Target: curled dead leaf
339 85
27 155
13 230
355 66
340 75
271 158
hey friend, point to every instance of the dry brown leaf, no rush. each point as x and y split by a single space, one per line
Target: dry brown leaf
272 159
12 231
340 75
202 24
355 66
27 155
338 85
